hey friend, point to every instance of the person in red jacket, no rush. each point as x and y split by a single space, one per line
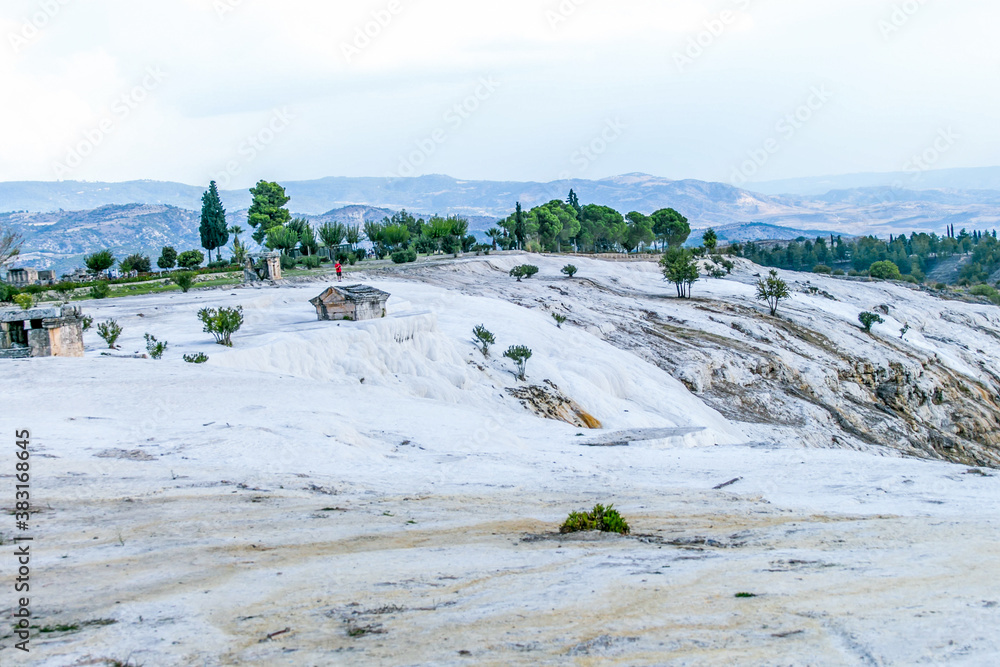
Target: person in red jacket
340 275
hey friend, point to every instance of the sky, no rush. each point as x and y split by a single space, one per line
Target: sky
735 91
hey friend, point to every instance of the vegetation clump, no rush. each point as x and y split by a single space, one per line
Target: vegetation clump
773 290
404 256
199 358
102 260
523 271
484 338
885 270
569 270
222 323
869 319
184 280
26 301
519 354
601 518
154 347
190 259
560 319
100 291
110 331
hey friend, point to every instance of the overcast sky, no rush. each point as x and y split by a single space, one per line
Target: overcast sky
726 90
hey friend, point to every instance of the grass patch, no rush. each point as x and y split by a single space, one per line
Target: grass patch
601 518
745 595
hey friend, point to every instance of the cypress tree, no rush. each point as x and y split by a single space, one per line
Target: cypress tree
213 229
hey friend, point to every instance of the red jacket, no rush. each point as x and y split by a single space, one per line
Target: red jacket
337 266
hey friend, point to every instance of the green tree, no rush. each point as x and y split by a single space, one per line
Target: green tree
670 227
519 354
680 268
868 319
332 234
885 270
190 259
602 228
168 258
353 236
710 240
267 210
284 239
640 231
484 338
213 229
307 240
135 262
496 234
520 231
569 270
102 260
773 290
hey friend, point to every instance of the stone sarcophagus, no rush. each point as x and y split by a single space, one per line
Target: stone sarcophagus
351 302
53 331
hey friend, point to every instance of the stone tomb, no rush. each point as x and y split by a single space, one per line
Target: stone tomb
350 302
54 331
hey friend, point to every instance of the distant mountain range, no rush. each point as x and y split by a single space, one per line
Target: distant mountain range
62 220
975 178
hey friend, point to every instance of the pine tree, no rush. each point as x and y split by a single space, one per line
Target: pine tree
574 202
214 231
520 229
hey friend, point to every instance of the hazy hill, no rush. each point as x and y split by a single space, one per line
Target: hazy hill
976 178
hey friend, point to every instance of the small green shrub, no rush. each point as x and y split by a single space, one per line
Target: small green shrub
746 595
990 293
311 262
519 354
87 321
110 332
352 259
822 268
199 358
940 286
154 347
287 263
523 271
26 301
483 338
184 280
404 256
222 323
569 270
839 272
868 319
7 293
885 270
601 518
560 319
101 290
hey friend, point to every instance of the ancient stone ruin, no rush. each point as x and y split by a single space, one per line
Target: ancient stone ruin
52 331
262 266
351 302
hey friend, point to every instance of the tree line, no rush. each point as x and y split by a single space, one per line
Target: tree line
915 255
